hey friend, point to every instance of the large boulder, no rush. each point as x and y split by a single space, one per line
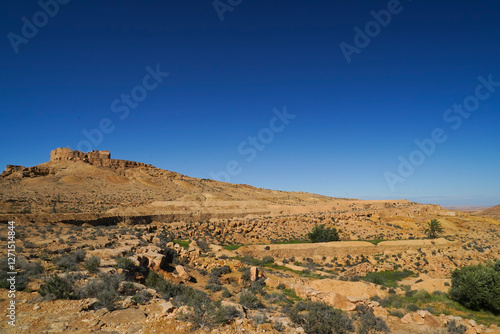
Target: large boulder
154 261
183 275
338 301
255 274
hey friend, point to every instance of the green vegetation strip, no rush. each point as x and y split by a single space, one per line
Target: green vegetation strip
267 262
183 243
436 303
232 247
387 278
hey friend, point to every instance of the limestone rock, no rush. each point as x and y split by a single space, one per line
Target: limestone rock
153 261
167 307
182 273
255 274
338 301
89 304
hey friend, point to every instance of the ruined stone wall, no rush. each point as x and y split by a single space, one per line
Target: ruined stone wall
68 154
96 158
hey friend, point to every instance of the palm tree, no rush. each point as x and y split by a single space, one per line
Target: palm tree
433 229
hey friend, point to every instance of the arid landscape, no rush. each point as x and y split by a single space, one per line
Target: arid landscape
114 246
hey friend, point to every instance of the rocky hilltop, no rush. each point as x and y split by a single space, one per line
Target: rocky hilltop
74 182
91 186
492 212
64 155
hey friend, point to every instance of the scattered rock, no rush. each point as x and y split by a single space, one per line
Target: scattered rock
167 307
183 275
255 274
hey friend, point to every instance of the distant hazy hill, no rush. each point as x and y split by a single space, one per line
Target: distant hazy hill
492 212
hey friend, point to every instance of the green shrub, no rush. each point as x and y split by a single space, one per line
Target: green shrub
452 328
496 266
410 293
385 302
259 319
250 300
421 295
320 233
319 318
213 287
107 298
369 322
477 287
92 264
397 313
104 289
214 280
142 297
166 288
209 315
69 261
26 271
30 269
258 287
29 244
277 325
387 278
204 312
245 273
218 272
412 307
124 263
56 287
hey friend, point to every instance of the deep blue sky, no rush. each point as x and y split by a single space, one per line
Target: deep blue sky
352 121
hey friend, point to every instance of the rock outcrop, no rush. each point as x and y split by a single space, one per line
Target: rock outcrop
96 158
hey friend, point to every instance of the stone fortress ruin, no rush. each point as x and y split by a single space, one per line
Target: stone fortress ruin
59 155
94 157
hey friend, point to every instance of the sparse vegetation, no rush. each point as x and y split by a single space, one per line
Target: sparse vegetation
70 261
124 263
27 270
320 318
57 287
104 289
387 278
250 300
232 247
369 323
92 264
453 328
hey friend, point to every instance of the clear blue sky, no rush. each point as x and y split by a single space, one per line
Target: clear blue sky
353 120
